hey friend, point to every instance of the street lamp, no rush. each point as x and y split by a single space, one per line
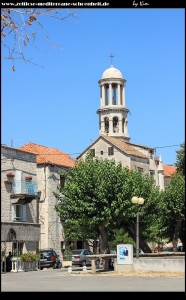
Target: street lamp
137 201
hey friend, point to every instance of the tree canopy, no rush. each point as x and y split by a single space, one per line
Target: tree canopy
172 204
97 196
172 210
180 159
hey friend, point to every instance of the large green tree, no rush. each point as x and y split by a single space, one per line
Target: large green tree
96 199
172 211
171 219
180 159
120 236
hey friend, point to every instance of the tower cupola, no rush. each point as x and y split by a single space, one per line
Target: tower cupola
113 112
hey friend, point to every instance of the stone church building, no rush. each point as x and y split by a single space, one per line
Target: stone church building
113 141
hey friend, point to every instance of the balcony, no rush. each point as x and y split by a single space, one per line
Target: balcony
24 189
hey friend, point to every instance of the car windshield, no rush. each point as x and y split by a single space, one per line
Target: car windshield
46 254
76 252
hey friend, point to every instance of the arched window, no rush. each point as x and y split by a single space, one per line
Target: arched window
121 95
106 121
106 94
11 235
114 93
115 124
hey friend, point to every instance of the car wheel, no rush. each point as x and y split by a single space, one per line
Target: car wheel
59 266
54 266
84 263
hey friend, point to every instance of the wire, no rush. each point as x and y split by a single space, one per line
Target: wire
76 153
168 146
103 151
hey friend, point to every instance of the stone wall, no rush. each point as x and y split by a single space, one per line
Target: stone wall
132 162
103 146
154 264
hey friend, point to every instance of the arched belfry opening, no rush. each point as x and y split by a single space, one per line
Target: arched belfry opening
115 123
106 125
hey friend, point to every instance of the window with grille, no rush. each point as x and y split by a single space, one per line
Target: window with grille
151 173
92 151
140 170
110 151
151 152
17 248
62 180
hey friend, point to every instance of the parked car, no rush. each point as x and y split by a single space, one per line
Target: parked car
167 249
141 251
79 257
49 259
170 249
180 249
112 260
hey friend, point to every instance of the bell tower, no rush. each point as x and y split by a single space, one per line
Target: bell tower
113 112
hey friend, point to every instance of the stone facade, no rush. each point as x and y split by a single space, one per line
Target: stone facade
52 235
51 164
141 160
40 216
19 209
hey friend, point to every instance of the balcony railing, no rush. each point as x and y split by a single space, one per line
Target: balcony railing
24 187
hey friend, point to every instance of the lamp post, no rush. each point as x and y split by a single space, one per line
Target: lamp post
137 201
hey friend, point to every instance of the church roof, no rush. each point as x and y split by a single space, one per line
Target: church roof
112 73
46 155
120 144
125 146
169 170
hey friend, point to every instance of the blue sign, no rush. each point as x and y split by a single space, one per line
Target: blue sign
124 254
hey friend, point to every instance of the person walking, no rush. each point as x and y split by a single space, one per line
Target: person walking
9 262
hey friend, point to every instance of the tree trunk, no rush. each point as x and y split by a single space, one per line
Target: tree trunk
104 247
182 233
183 243
131 229
176 234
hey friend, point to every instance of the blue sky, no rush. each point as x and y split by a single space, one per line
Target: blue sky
56 105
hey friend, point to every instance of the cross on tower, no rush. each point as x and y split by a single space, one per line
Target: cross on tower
111 57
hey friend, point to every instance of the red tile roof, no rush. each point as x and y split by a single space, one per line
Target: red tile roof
169 170
49 155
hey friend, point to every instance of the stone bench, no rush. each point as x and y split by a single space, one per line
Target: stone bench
105 257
